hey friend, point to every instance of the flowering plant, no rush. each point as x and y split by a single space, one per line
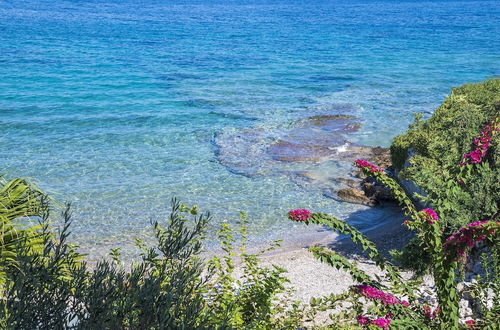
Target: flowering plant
299 215
430 215
367 166
457 245
481 143
373 302
454 156
374 293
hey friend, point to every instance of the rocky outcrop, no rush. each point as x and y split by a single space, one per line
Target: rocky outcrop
357 196
379 156
376 190
366 190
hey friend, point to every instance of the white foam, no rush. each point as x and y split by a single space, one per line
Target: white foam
342 148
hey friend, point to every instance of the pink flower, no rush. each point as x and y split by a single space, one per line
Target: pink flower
363 320
466 237
299 215
481 143
470 323
382 323
428 313
361 163
376 294
430 215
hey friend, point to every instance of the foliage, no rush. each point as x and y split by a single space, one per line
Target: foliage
18 200
170 287
52 289
251 299
440 146
386 295
484 291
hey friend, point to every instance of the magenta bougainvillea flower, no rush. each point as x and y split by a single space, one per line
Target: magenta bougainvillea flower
481 143
471 324
299 215
363 320
466 237
374 293
430 215
382 323
361 163
429 313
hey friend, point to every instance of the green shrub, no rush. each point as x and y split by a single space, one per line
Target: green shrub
439 145
54 289
251 300
50 286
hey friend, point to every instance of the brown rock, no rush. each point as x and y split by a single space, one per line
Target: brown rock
286 151
352 195
381 157
348 182
324 120
376 190
378 156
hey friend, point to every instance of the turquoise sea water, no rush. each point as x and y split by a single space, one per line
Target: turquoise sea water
117 106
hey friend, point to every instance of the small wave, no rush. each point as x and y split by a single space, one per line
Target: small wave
342 148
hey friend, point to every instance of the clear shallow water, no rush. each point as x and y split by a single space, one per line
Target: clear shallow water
117 106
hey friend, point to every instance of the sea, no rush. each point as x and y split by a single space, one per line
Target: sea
118 106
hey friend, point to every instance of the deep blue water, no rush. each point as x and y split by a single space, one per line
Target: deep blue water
117 106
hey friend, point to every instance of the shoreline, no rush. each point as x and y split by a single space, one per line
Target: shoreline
311 278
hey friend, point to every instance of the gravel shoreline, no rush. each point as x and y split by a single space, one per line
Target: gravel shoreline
311 278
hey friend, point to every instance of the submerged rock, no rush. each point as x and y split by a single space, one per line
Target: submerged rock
351 183
243 152
314 139
260 151
332 122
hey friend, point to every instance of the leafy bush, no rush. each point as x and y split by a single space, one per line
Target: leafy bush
439 151
54 289
250 301
390 300
50 286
